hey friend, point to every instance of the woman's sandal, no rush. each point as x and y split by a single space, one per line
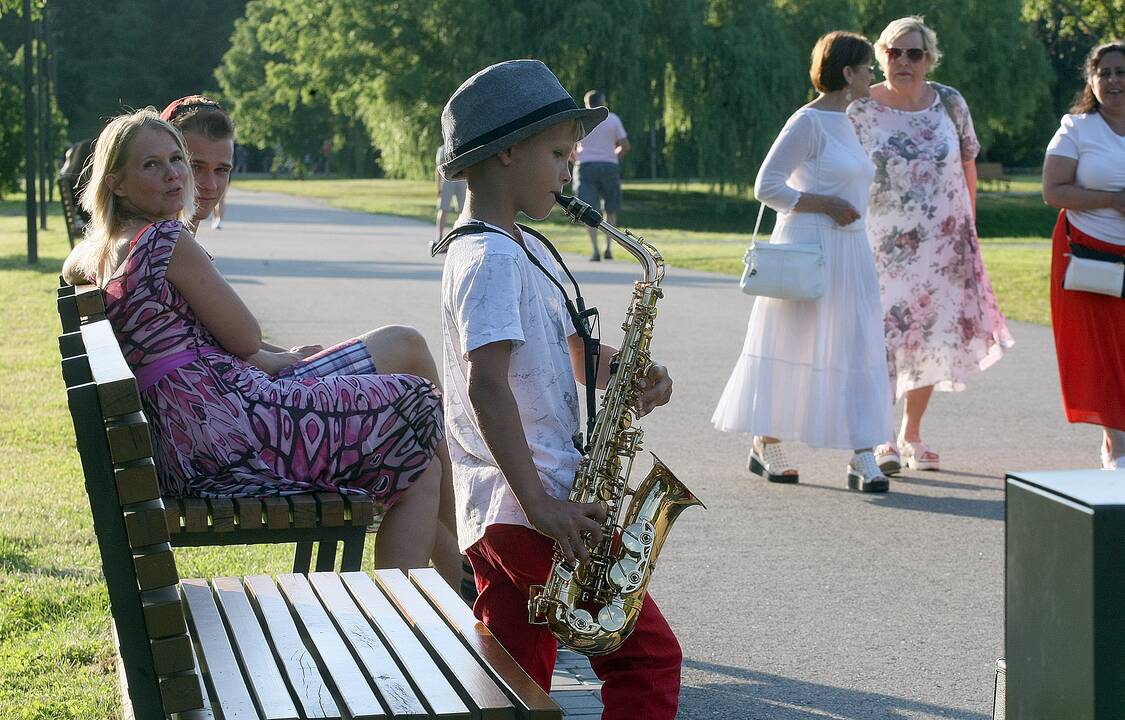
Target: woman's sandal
918 456
888 459
865 475
770 461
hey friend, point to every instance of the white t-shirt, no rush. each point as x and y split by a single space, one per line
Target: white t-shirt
490 291
601 144
1100 153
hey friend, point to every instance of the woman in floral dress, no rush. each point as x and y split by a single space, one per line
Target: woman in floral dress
941 320
222 426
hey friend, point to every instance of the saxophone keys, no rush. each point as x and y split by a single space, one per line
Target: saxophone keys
625 574
612 618
580 621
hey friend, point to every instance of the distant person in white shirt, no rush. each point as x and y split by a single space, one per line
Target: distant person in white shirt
597 174
447 190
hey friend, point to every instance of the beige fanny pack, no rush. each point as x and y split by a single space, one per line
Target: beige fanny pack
1093 271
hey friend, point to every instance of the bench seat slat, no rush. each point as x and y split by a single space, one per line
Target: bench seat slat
304 510
436 690
218 661
137 482
163 612
155 567
172 655
313 695
145 524
377 661
532 702
266 683
222 514
277 513
129 438
457 662
330 509
324 640
250 513
195 515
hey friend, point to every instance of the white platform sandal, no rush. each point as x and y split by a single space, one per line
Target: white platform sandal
888 459
919 456
770 461
865 475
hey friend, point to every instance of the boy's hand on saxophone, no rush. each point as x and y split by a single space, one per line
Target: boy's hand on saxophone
573 526
653 390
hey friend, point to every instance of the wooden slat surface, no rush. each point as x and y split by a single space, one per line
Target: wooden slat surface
253 650
331 509
145 524
128 438
431 682
174 512
249 511
90 300
117 388
325 642
195 515
181 692
458 663
530 699
361 509
172 655
299 666
377 661
137 482
156 568
222 514
277 512
304 510
220 665
163 612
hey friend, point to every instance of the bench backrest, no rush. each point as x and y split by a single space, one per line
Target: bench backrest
129 519
75 222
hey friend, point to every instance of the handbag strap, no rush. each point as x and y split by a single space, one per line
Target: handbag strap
819 131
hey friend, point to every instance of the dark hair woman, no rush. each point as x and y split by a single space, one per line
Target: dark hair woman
816 371
1084 175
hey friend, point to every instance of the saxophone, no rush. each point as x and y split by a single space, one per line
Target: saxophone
593 608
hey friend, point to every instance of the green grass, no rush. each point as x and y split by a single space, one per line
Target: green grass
56 655
696 227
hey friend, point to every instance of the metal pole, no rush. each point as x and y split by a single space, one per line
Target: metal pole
44 109
29 137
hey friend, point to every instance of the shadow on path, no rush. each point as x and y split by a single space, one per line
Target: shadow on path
762 696
961 507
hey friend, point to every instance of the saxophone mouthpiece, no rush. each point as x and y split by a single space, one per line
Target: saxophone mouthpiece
579 211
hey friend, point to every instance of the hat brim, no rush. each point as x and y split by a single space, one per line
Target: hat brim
589 117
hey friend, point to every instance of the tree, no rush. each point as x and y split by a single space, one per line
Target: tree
1090 21
11 125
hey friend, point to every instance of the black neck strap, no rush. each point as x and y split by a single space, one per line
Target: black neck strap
583 319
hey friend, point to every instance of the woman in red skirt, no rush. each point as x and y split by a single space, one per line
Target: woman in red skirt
1084 174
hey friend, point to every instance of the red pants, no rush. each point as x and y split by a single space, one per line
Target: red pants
640 680
1089 339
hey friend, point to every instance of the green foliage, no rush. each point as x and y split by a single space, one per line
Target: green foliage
11 124
115 56
1090 20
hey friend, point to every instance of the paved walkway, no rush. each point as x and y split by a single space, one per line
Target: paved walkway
790 602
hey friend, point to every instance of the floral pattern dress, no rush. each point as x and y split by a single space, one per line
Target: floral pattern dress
941 319
222 427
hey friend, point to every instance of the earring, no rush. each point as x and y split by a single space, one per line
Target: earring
848 95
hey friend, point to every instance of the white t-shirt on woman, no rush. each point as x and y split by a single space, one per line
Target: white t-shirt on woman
1100 153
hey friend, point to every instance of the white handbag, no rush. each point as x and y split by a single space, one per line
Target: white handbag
787 271
1090 270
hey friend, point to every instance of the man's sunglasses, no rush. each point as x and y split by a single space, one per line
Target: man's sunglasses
912 54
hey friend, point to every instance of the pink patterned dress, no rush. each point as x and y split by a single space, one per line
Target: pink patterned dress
222 427
941 320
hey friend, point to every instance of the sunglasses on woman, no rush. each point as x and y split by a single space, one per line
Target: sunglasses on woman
912 54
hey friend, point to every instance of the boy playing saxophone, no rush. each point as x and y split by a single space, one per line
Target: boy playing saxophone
512 357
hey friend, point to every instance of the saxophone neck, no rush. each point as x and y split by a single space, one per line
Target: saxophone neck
652 263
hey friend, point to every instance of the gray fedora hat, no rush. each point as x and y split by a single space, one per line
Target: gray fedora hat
501 105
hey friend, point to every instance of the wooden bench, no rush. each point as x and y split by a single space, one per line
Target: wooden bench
323 645
991 178
75 224
327 519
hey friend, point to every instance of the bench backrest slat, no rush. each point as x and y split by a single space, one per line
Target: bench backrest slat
139 567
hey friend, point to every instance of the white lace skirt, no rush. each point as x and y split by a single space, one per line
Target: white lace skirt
816 371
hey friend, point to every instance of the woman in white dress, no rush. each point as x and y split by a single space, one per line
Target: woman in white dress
816 371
